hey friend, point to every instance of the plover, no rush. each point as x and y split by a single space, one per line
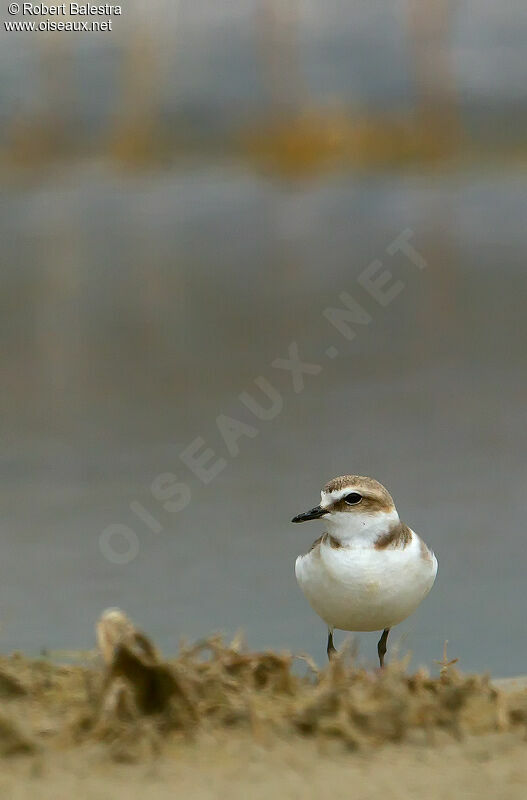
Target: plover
368 571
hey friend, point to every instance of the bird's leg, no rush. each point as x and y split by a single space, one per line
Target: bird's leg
381 647
331 650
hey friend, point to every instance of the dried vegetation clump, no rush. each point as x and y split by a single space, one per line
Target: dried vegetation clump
133 701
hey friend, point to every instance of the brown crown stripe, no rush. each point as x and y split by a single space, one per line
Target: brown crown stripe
374 496
397 536
345 481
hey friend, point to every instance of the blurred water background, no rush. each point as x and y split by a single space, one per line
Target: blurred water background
181 199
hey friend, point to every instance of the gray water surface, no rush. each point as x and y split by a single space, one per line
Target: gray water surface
135 310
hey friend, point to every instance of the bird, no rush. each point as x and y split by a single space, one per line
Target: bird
368 571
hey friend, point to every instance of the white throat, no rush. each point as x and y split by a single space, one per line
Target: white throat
359 529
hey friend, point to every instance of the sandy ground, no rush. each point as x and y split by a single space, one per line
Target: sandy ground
221 722
491 766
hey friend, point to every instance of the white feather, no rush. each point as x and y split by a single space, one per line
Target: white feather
356 587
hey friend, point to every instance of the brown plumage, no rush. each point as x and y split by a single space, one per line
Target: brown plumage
398 536
326 538
374 496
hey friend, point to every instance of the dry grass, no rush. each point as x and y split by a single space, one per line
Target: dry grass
133 701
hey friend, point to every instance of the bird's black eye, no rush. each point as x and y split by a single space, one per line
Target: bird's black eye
352 499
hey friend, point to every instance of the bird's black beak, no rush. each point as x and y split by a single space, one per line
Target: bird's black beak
314 513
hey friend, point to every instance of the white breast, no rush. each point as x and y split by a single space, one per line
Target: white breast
364 589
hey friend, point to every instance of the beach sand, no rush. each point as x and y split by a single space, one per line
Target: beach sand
218 721
489 766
